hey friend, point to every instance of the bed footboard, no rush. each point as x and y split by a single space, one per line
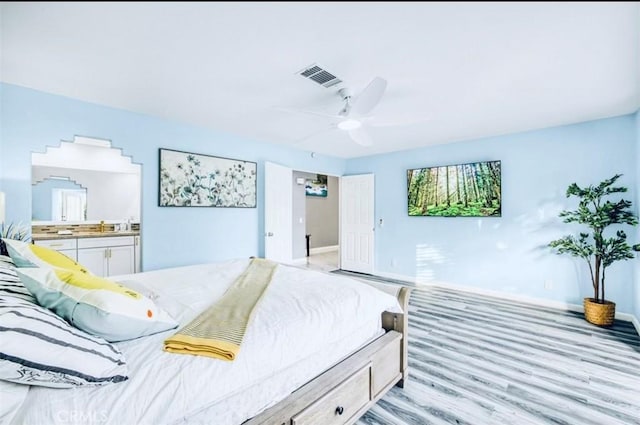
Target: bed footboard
400 323
345 392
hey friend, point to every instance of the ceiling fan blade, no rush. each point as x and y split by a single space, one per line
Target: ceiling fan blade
361 137
312 135
306 111
370 96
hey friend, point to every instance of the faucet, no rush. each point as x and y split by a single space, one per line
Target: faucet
101 226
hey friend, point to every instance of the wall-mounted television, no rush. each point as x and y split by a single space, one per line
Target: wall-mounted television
463 190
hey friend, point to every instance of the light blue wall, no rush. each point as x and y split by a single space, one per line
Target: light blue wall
170 236
509 253
636 298
503 254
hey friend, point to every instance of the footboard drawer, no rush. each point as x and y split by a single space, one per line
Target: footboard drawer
340 404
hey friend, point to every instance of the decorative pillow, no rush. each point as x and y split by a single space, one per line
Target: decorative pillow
39 348
96 305
10 283
26 254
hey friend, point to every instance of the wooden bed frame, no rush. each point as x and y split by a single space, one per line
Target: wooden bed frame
345 392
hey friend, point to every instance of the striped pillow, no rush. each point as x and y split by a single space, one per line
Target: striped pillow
40 348
10 283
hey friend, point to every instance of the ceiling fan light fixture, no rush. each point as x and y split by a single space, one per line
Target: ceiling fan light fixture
349 124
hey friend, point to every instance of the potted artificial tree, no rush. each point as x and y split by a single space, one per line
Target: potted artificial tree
598 251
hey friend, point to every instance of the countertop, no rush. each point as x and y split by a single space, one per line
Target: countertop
74 235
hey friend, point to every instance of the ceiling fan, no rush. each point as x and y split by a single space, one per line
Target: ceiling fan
354 116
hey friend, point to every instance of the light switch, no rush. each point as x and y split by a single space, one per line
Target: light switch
300 220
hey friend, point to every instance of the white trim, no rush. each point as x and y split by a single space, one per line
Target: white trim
505 295
323 249
636 323
625 317
397 277
513 297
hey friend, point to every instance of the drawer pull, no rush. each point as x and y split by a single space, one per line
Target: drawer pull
55 244
339 410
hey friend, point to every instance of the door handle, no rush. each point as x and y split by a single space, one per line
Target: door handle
269 234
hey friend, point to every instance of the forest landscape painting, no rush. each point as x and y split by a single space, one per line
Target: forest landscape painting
467 190
196 180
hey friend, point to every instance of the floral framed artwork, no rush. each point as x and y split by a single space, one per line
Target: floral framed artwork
198 180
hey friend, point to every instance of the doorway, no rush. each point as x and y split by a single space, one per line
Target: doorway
351 220
316 220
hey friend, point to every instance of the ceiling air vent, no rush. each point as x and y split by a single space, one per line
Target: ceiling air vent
320 76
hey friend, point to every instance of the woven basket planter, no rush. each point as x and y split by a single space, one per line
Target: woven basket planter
599 314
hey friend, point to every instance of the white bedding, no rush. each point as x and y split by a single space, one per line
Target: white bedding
305 323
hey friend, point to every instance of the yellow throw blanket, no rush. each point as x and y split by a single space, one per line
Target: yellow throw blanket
218 331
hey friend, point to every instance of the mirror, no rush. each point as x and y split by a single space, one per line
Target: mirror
83 181
59 199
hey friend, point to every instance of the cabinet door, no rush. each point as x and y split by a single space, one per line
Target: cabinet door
71 253
121 260
94 259
64 246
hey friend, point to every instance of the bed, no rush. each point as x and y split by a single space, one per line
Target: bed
321 349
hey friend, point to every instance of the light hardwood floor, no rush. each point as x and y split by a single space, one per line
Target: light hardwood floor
480 360
326 261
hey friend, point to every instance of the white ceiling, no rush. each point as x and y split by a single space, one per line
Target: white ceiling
465 70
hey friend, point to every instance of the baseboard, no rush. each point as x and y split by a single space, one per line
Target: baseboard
626 317
512 297
397 277
636 323
323 249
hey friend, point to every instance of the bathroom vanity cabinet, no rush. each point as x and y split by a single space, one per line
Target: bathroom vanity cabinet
103 256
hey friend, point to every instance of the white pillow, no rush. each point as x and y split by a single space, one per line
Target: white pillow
96 305
39 348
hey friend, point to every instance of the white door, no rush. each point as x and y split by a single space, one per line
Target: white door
278 213
357 223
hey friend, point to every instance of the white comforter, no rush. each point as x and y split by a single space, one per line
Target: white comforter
306 322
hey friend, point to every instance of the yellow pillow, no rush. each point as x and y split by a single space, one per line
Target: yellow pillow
26 254
96 305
